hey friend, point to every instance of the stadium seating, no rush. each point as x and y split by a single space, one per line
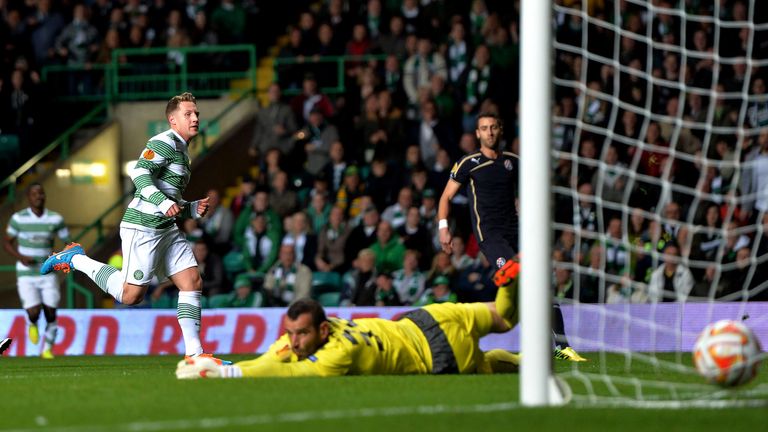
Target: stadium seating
9 152
219 301
329 299
229 300
324 283
234 263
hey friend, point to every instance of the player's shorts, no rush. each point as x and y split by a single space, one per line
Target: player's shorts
453 332
147 254
498 249
36 290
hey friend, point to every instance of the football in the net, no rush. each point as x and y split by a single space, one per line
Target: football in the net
727 353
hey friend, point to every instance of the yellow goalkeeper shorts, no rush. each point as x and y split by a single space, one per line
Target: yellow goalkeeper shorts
463 325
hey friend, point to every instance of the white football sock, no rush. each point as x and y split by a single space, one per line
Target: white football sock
188 313
108 278
50 335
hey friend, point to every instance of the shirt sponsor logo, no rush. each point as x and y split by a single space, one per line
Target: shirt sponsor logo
148 154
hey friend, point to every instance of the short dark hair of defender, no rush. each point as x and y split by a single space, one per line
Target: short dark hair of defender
488 114
302 306
175 101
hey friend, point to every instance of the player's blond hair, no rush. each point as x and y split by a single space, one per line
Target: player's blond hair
175 101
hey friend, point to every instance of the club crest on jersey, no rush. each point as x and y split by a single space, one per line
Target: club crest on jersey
148 154
138 274
508 165
500 262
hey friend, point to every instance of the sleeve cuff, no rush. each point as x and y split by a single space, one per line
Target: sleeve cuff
193 209
232 371
165 205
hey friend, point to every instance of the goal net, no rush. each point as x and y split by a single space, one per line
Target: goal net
659 161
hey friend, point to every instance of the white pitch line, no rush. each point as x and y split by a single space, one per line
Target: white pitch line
295 417
670 404
306 416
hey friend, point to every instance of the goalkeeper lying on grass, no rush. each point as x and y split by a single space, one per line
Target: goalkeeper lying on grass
439 339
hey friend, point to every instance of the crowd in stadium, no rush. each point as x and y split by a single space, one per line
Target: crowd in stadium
345 185
664 123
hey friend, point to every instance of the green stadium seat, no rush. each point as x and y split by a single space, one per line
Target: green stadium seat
228 300
9 146
329 299
164 302
9 153
234 263
365 171
219 301
326 279
323 282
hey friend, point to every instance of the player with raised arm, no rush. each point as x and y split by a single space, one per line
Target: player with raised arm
436 339
29 238
490 176
151 241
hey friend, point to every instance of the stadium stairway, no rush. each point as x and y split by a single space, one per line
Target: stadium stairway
265 75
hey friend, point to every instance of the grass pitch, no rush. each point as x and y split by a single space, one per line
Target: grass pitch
75 394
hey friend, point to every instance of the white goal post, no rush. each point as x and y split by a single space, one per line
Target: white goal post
535 131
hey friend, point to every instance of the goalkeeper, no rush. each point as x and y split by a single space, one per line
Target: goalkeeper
437 339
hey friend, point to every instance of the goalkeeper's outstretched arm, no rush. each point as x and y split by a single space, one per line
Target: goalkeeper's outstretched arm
278 361
203 367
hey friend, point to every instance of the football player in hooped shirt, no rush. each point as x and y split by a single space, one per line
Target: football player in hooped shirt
490 176
152 244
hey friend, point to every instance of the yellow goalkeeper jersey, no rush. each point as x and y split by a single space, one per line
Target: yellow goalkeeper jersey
366 346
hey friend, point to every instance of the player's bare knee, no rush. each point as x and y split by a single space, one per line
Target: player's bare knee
193 284
198 284
132 298
50 313
34 313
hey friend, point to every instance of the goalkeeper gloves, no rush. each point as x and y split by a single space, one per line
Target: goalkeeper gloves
205 367
197 367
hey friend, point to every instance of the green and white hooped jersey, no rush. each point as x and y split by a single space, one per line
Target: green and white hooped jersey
35 236
161 174
409 288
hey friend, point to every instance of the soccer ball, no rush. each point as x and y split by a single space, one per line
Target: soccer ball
727 353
